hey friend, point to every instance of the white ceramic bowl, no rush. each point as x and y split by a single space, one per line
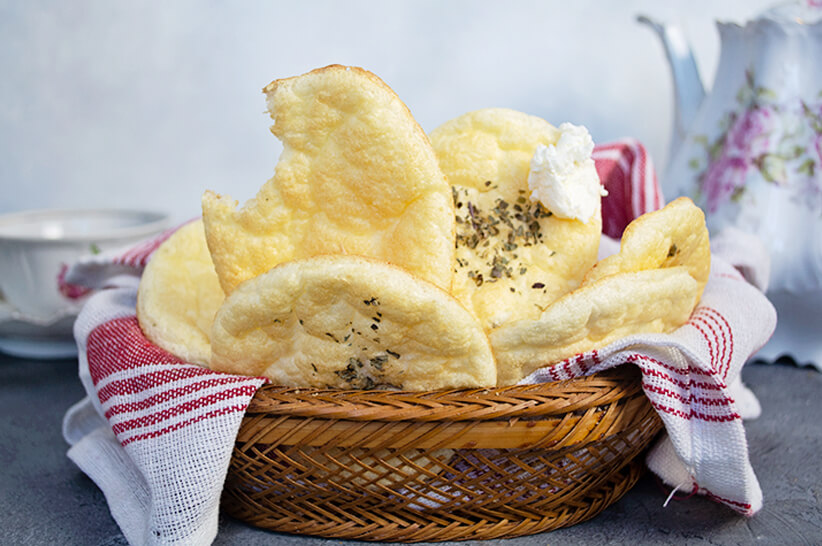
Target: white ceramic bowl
36 318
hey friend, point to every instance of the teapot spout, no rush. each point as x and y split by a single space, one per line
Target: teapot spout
688 89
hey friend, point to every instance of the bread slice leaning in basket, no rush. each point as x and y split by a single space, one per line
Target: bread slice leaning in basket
179 295
514 256
351 323
651 286
357 176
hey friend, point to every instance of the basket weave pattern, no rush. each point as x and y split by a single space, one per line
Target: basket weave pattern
435 466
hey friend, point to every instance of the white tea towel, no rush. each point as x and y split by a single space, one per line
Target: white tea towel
155 433
692 378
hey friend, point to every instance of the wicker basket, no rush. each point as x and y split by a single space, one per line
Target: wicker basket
435 466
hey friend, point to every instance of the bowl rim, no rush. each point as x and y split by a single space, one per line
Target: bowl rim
152 222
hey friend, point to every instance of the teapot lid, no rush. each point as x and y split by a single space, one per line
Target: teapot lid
803 12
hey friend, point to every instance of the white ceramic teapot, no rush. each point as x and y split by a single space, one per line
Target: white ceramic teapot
750 153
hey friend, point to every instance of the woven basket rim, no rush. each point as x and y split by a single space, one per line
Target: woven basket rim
534 400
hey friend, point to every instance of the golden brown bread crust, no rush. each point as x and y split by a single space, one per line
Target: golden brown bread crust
357 176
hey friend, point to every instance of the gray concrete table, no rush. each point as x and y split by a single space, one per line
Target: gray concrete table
45 499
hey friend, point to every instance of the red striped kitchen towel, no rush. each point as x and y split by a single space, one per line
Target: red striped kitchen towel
692 378
156 433
626 170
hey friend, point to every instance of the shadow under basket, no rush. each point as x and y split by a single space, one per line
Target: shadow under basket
442 465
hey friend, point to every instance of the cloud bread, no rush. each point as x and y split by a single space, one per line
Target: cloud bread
594 315
651 286
675 235
353 323
513 256
357 176
179 295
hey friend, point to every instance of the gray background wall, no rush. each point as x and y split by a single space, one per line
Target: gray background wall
146 104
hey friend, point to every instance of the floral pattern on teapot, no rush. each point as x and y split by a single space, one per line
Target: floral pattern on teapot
765 136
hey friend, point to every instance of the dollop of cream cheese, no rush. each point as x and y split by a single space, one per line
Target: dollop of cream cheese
563 176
